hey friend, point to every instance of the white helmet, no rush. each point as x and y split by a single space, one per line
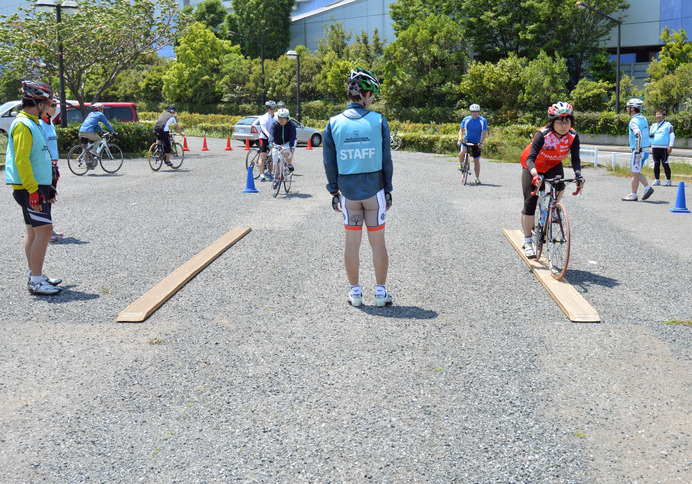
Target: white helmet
635 103
282 113
474 107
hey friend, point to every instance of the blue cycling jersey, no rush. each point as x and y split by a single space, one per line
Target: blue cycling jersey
474 128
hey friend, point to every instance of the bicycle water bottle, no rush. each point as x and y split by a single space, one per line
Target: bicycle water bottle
544 212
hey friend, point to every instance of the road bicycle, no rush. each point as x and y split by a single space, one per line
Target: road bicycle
284 175
80 159
252 160
552 226
395 141
157 157
465 166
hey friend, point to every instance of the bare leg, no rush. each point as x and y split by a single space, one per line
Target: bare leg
36 245
527 224
477 166
352 255
380 257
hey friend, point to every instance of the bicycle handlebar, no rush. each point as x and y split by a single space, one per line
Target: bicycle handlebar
556 180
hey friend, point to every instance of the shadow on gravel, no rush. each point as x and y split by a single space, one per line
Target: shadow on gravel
69 295
656 202
298 195
68 240
399 312
582 280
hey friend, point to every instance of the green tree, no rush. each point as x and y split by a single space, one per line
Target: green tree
602 68
103 38
404 13
591 95
334 39
544 82
676 52
423 65
268 21
672 92
495 86
211 13
193 77
151 87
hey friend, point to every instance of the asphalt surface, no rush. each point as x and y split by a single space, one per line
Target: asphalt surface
259 371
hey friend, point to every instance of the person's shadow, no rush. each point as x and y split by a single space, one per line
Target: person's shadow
399 312
68 294
582 280
69 240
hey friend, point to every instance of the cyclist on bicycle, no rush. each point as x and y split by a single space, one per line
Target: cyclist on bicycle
473 129
543 158
282 133
162 130
265 120
91 126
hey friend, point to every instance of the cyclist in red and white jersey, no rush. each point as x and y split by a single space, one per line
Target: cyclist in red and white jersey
543 158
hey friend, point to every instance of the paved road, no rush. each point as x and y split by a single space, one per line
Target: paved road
259 371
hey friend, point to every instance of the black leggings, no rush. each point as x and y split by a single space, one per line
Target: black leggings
661 158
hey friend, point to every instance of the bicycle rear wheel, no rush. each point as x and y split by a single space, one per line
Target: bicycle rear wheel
177 155
287 182
154 158
395 142
252 159
76 161
111 158
558 241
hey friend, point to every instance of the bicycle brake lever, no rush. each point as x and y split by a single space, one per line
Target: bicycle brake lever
579 188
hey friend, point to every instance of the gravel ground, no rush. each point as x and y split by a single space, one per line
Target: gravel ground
259 371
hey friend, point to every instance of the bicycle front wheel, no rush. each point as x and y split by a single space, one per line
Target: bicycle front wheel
177 155
276 184
287 182
558 241
252 160
76 161
538 238
154 158
465 168
111 158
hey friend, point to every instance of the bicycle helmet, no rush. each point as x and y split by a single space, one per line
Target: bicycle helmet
635 103
474 107
270 104
360 80
37 91
282 113
97 107
170 109
560 110
281 104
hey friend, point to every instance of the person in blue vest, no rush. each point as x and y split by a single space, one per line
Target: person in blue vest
358 164
473 129
639 141
49 132
662 137
28 171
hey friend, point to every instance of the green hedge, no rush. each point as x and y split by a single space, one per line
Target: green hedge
133 138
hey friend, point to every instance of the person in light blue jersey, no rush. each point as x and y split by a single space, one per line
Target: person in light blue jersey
91 127
639 142
473 129
662 137
358 164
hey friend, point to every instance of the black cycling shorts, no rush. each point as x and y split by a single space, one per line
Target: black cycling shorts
31 217
165 137
263 145
530 201
474 150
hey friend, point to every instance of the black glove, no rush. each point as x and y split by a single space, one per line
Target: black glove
336 202
388 199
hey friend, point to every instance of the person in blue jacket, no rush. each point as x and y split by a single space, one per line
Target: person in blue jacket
639 142
358 164
91 126
28 171
662 137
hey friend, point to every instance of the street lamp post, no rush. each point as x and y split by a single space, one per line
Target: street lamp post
58 6
292 54
261 44
584 6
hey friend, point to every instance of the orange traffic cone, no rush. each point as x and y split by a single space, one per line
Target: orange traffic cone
185 148
228 144
309 143
247 144
204 144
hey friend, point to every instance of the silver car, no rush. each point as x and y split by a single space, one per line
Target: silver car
249 128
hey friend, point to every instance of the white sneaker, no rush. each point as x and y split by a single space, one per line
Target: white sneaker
648 191
53 282
383 300
656 183
43 288
355 299
669 183
632 197
528 251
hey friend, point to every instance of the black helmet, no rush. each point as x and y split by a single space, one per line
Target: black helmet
170 109
362 80
37 91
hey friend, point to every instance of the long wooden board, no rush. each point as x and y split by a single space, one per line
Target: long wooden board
145 306
565 295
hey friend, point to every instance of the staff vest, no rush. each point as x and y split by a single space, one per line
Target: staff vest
358 141
39 155
552 153
660 135
643 125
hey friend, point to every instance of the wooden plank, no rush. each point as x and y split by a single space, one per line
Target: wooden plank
565 295
145 306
